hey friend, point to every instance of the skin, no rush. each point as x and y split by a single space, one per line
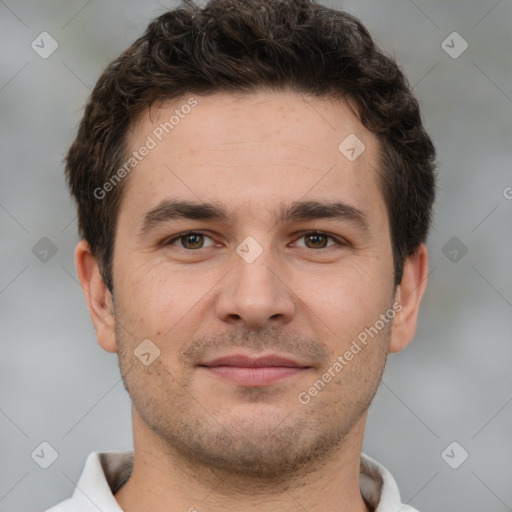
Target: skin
200 440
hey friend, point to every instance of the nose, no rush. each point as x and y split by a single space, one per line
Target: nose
256 295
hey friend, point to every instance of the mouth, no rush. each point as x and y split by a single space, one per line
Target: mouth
254 371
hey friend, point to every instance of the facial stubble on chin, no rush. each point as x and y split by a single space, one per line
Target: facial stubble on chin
289 447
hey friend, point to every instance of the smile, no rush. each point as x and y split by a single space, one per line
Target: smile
250 371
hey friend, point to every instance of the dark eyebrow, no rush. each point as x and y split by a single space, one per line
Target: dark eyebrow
170 209
311 210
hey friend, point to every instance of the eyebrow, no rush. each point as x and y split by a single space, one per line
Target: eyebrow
171 209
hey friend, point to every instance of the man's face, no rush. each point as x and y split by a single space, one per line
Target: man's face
256 283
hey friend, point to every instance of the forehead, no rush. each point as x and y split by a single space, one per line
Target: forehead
264 148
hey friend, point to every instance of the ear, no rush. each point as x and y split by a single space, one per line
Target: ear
409 295
98 297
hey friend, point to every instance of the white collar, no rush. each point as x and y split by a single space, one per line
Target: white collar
105 472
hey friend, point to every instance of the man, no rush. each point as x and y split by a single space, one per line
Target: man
254 190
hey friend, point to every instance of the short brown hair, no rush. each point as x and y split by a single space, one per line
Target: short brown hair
242 46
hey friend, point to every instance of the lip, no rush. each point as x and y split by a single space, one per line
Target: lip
254 371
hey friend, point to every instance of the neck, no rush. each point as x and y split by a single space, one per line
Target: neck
162 481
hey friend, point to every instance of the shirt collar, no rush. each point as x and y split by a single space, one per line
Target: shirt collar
378 487
105 472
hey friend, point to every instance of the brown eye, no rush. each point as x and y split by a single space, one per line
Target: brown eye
317 240
191 241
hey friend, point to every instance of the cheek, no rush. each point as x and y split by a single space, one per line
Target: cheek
355 292
343 307
161 307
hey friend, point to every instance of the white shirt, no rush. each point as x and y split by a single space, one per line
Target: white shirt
105 472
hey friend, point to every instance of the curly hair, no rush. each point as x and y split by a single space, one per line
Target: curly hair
242 46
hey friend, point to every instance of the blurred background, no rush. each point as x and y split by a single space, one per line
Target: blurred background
442 419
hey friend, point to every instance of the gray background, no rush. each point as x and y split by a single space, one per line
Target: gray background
453 383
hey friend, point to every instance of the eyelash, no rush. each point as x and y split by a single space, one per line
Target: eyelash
339 242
